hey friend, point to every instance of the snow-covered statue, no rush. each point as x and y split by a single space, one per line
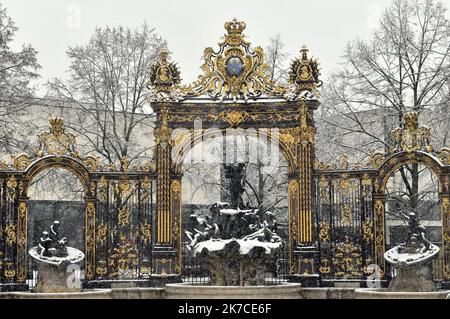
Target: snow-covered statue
412 259
50 244
416 241
52 256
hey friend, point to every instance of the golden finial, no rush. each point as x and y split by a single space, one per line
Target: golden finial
164 55
304 51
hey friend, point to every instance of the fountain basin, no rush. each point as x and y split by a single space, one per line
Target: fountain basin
189 291
236 262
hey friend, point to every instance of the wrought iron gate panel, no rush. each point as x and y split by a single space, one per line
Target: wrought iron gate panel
344 215
124 232
8 222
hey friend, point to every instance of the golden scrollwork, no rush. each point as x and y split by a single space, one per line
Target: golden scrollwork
11 185
347 259
124 189
163 134
101 268
324 188
234 118
123 216
146 232
10 231
367 227
102 189
346 215
444 155
102 232
366 183
377 159
307 133
379 233
21 162
9 271
379 207
345 184
90 240
324 231
92 163
325 267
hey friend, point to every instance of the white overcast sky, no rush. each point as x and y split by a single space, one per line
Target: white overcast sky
325 26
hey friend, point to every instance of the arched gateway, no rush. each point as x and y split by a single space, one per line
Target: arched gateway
133 214
235 94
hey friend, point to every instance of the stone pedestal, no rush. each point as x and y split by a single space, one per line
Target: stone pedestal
416 278
237 262
53 278
306 257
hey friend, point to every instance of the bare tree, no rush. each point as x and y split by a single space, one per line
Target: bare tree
403 67
17 70
276 58
108 83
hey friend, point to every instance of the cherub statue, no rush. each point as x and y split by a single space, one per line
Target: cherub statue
45 243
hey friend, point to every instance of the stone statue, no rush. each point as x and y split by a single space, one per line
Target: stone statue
50 244
416 241
45 243
236 174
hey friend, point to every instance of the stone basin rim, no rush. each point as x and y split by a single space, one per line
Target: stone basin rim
384 292
173 288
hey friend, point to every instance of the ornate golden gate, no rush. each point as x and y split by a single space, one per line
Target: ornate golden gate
235 93
119 202
336 213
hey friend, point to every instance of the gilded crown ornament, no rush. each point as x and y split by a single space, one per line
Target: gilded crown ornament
411 137
235 71
235 26
57 141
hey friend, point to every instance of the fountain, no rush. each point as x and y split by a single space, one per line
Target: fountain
412 260
236 245
53 256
